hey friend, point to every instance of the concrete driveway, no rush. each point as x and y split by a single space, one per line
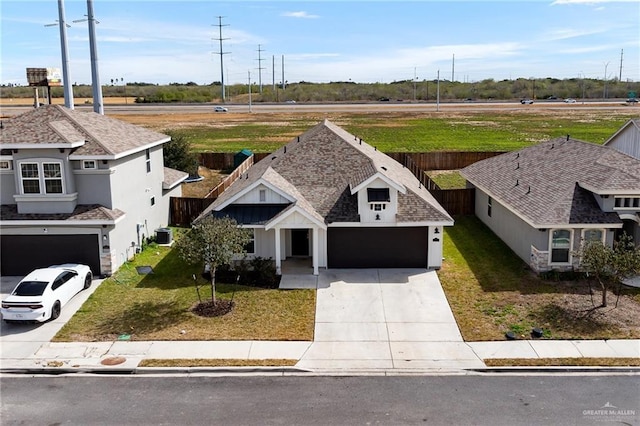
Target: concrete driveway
20 341
370 319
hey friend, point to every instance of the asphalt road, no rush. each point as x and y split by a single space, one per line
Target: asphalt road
397 107
259 400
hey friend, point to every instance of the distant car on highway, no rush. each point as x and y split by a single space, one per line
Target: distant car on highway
569 101
526 101
220 109
632 100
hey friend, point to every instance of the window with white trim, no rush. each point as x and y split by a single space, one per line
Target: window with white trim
148 160
378 198
560 245
41 178
250 247
89 164
621 203
593 235
5 165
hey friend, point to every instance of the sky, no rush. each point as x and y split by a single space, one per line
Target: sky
322 41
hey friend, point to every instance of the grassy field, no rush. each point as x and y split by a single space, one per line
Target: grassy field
157 307
404 132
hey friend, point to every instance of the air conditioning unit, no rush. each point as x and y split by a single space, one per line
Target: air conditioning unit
164 236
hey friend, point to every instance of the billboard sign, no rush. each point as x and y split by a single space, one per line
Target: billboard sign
44 77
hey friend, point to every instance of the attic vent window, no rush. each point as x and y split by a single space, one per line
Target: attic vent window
378 195
378 198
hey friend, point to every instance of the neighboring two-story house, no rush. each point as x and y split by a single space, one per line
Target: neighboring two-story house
542 201
79 187
330 196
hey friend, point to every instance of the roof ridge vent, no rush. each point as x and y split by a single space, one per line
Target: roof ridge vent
517 182
568 137
518 165
529 190
552 145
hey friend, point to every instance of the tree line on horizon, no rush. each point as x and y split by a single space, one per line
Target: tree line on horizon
347 91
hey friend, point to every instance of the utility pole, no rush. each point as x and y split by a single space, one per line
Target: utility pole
438 95
273 72
621 54
249 73
66 78
604 91
221 53
260 68
414 84
453 68
283 82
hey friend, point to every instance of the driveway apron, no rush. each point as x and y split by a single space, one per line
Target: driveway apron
373 319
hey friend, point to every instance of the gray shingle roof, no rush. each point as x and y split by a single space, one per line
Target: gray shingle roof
55 124
84 212
319 168
550 183
173 177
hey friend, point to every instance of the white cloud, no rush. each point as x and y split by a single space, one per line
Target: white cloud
300 14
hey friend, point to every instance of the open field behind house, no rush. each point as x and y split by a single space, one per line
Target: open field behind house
392 132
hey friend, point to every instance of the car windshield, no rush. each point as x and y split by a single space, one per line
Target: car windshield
30 288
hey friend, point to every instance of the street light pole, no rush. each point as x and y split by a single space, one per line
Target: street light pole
604 91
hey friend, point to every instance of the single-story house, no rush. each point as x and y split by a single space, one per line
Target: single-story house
542 201
79 187
627 139
330 196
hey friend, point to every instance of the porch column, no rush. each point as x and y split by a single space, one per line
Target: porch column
278 260
315 250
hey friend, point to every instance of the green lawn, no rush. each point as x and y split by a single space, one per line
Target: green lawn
157 307
491 291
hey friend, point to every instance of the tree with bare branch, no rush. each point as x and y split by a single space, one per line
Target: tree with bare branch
213 242
610 265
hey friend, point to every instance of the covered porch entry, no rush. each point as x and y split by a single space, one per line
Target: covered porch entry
301 238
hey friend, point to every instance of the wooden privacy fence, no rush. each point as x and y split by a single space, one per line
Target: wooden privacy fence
456 201
449 160
226 182
183 210
446 160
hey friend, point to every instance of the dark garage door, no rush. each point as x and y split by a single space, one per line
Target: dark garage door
23 253
377 247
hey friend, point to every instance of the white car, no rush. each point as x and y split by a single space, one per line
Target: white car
41 295
220 109
569 101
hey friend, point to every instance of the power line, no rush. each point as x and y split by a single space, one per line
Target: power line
221 53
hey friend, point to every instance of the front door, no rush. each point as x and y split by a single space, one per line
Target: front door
300 242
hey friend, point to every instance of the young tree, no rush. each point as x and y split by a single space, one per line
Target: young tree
178 155
213 242
608 265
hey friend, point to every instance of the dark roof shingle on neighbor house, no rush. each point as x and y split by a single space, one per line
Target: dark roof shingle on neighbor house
54 124
319 168
84 212
552 183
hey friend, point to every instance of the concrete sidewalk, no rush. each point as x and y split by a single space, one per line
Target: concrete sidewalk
367 321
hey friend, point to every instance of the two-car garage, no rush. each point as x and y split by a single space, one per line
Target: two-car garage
22 253
377 247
